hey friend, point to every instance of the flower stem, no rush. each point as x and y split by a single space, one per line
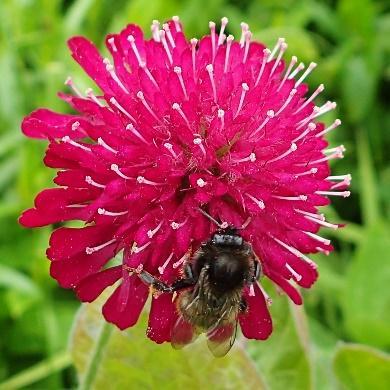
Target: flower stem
35 373
96 356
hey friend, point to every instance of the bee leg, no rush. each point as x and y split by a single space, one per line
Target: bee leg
149 279
257 271
243 305
189 281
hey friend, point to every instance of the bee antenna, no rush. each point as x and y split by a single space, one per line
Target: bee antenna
207 215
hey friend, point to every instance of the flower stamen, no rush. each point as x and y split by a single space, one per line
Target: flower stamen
90 181
105 146
210 70
245 89
89 250
162 268
69 141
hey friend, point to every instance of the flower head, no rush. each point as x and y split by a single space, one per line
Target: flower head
182 126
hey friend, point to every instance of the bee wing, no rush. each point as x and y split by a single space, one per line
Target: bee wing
220 339
183 333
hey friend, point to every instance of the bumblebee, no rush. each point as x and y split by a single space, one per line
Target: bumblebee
210 294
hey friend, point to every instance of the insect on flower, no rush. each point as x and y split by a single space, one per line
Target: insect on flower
204 163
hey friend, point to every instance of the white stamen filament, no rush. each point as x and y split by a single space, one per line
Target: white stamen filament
294 251
176 20
344 194
345 182
162 268
155 27
324 251
221 115
137 54
283 48
327 158
169 147
292 148
165 45
251 290
93 97
244 30
306 120
295 274
130 127
266 55
293 61
310 127
328 106
143 180
110 69
111 41
178 71
180 261
311 98
267 298
224 22
69 83
115 168
89 250
90 181
259 202
115 103
102 211
136 249
177 107
69 141
340 177
229 41
176 225
322 222
151 233
245 89
105 146
251 158
149 74
141 97
212 36
317 237
300 197
305 74
335 124
168 34
270 115
210 70
300 67
286 103
194 42
248 36
309 172
340 148
198 141
275 49
312 215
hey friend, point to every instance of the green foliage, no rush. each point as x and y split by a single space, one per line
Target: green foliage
349 41
106 357
359 367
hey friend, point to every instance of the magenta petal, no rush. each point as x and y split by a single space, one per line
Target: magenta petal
162 317
124 309
92 286
256 323
44 123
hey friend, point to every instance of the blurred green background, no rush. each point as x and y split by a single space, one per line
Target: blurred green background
339 340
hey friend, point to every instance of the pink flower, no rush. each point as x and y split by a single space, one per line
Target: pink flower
216 123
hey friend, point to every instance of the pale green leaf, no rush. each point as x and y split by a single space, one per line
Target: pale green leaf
359 367
108 358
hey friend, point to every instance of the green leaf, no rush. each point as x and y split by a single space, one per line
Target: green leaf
300 43
358 88
359 367
108 358
284 357
366 296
